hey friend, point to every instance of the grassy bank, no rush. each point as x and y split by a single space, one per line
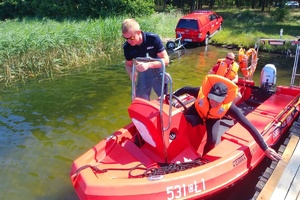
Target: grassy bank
43 48
243 27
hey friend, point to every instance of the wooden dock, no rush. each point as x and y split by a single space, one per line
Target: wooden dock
281 181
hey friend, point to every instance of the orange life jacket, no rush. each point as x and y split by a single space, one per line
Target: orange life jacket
227 71
202 102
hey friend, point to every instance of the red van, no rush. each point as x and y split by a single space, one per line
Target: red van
198 26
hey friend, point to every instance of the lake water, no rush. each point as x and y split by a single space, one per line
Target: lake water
45 125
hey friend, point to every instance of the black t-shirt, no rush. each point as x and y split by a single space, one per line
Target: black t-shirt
152 45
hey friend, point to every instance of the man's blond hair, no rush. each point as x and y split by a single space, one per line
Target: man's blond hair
130 24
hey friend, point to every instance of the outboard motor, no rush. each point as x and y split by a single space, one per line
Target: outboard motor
268 77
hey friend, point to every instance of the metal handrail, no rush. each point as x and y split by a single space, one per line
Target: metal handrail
161 99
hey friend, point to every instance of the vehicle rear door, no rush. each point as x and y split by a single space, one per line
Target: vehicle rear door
189 29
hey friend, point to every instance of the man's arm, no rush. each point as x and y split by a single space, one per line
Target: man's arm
164 56
143 66
128 67
214 69
193 91
240 118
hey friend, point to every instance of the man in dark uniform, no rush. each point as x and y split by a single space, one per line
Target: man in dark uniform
139 44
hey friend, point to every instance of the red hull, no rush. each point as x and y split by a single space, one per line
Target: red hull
115 167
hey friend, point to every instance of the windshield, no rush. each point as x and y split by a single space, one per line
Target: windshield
188 24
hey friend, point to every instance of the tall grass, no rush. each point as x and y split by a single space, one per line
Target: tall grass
35 48
38 48
44 48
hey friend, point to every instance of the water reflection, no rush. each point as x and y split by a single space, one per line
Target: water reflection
46 125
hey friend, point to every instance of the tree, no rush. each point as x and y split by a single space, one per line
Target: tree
263 3
74 8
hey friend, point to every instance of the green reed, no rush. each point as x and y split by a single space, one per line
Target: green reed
37 48
44 48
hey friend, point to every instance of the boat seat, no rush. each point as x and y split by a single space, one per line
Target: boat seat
275 104
137 153
223 149
117 154
145 116
175 146
179 148
260 118
240 135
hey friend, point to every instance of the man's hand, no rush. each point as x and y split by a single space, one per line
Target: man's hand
271 153
142 66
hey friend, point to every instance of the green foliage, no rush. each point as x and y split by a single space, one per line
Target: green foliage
46 47
170 9
161 23
136 8
75 9
43 48
281 14
243 27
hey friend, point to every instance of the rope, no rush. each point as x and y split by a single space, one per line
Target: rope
170 168
151 171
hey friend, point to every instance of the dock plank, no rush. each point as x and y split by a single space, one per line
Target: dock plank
282 190
294 192
270 186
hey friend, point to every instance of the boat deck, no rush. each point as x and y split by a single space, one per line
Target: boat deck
282 179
